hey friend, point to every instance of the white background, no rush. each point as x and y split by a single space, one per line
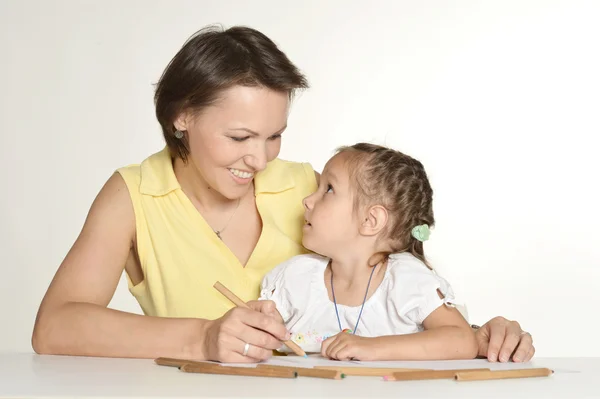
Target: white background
499 99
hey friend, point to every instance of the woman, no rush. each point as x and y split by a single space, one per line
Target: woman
215 205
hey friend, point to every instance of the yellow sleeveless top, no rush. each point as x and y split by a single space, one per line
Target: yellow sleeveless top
181 256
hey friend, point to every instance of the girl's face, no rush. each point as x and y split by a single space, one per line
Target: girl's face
234 139
331 225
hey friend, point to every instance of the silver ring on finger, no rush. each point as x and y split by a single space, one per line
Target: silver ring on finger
246 349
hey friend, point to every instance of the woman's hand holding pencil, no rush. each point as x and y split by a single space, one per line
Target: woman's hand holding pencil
266 307
242 335
260 333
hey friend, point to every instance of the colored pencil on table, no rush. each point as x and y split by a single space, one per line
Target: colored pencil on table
238 302
171 362
167 361
209 368
217 368
367 371
427 374
502 374
307 372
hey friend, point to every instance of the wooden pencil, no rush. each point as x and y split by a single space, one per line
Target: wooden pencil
307 372
427 375
171 362
238 302
208 368
502 374
367 371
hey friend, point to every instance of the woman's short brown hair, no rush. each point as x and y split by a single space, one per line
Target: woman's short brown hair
213 60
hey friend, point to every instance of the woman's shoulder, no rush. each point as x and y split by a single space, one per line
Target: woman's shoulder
279 163
130 175
281 175
156 169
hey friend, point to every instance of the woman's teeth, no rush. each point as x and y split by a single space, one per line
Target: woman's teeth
241 174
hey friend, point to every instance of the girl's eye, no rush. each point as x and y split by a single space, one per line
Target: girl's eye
239 139
275 137
329 188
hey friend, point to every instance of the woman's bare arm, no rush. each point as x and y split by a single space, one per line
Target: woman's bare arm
73 318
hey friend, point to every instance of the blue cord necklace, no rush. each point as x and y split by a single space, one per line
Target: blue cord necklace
361 308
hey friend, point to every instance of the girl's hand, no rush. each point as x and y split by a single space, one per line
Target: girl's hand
226 338
344 346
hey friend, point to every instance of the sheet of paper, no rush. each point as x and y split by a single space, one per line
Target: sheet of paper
312 361
297 361
318 360
449 364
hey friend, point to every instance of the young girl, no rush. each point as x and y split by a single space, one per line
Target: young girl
369 294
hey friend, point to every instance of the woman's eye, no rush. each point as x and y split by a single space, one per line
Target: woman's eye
329 189
239 139
275 137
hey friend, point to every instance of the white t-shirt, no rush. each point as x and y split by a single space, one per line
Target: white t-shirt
407 294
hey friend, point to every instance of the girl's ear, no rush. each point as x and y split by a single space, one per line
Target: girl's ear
374 221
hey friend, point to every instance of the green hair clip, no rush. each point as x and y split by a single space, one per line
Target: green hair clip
420 232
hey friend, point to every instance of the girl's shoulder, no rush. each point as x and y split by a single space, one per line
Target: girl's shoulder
296 270
406 263
415 289
408 275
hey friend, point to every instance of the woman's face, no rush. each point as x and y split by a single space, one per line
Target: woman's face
234 139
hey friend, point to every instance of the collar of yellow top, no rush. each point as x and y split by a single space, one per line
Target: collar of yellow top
158 177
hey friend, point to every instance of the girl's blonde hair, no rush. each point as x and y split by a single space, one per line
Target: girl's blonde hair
396 181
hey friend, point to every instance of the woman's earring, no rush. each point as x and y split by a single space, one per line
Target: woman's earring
178 134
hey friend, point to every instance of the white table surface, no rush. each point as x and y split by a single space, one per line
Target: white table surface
32 376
